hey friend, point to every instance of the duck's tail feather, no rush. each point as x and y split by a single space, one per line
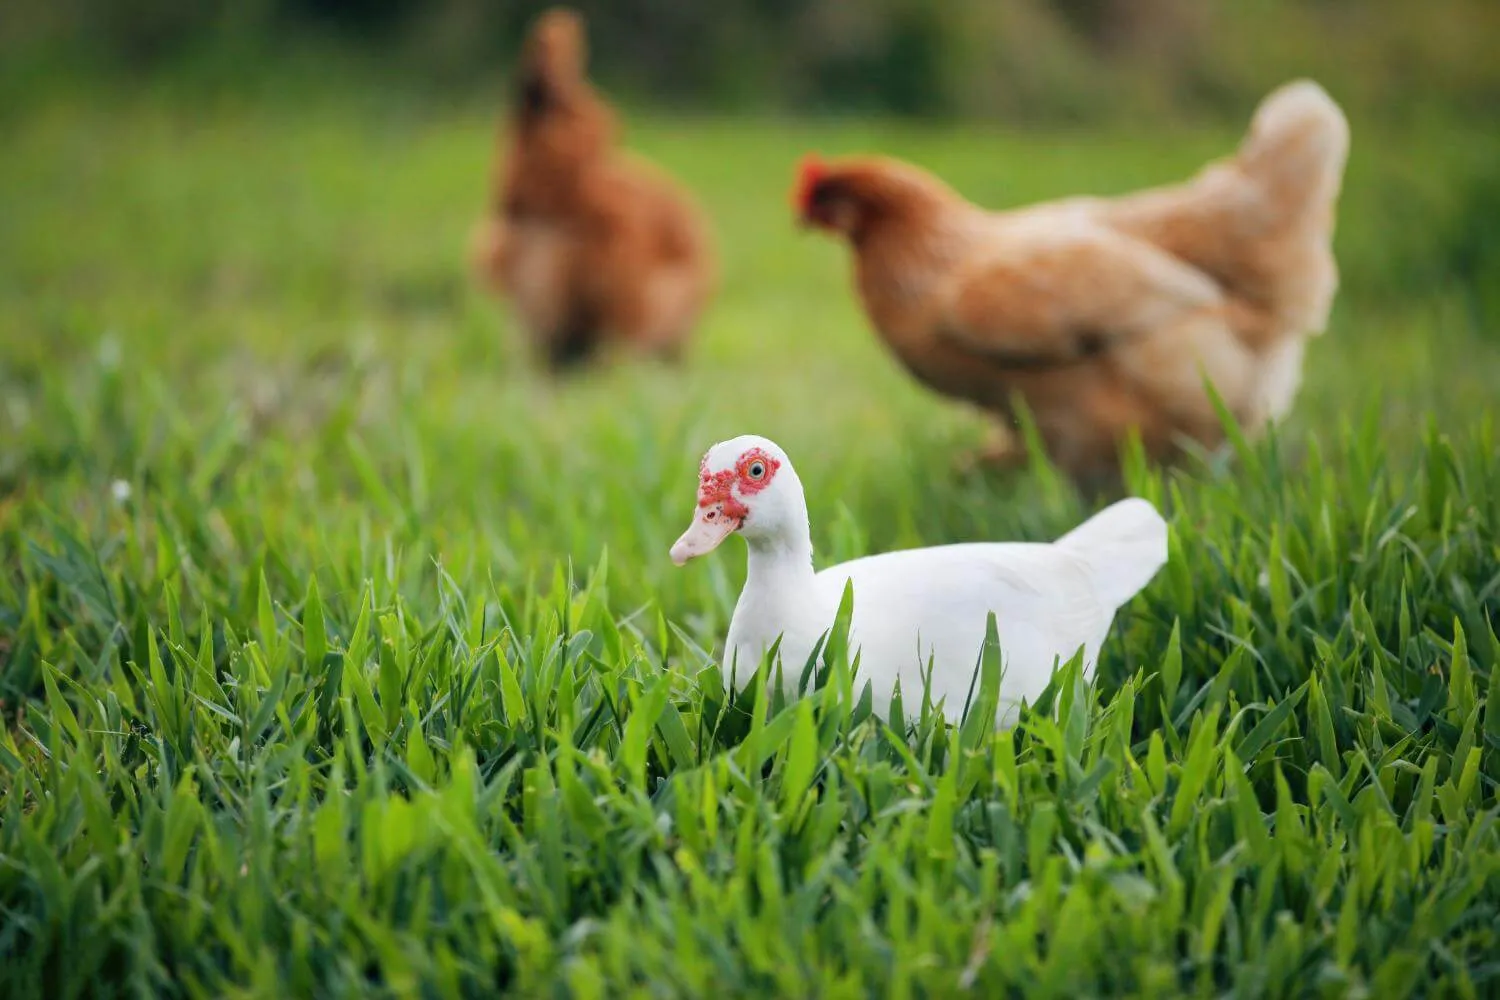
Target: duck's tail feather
1125 544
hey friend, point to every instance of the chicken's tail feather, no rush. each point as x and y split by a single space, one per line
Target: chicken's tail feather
1296 148
1124 544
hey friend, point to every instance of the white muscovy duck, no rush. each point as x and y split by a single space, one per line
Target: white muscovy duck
909 605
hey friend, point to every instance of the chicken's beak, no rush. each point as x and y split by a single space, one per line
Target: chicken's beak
710 527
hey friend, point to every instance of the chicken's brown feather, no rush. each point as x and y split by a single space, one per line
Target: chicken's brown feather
1108 315
584 239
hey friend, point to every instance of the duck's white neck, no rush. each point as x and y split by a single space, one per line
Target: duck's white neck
781 559
782 562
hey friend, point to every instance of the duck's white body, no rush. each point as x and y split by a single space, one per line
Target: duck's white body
926 604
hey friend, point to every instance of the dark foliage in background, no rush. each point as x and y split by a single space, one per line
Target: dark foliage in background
1014 60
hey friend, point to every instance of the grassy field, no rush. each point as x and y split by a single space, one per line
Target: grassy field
340 654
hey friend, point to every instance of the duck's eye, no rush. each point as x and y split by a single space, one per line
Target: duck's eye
757 470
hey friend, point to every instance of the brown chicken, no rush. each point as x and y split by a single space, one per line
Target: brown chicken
590 245
1106 314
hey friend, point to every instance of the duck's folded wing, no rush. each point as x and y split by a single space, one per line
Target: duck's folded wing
1043 598
1043 586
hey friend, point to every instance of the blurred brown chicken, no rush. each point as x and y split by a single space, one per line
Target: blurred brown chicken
590 246
1106 314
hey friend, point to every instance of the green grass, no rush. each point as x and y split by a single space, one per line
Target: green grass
379 678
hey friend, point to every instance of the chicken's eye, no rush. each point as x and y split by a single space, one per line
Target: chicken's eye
757 470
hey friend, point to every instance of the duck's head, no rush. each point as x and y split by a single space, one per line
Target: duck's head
745 485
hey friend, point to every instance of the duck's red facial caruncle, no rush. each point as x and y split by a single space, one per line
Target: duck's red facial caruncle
723 502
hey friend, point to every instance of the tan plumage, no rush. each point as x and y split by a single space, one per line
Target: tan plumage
1107 314
591 245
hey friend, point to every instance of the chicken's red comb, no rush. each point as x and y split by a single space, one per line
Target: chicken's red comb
810 171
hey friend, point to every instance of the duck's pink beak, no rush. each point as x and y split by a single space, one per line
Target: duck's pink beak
710 527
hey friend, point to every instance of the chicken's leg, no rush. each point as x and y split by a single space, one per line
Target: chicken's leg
1003 451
